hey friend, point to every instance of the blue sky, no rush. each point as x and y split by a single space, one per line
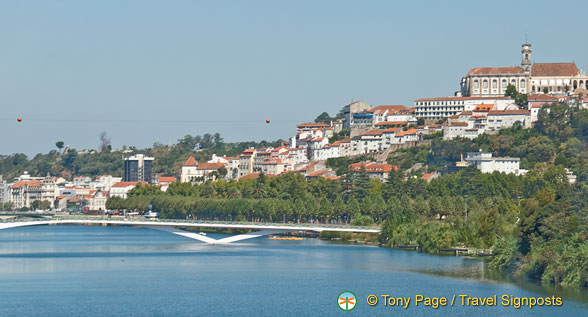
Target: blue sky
154 71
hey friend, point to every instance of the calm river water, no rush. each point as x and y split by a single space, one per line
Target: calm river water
105 271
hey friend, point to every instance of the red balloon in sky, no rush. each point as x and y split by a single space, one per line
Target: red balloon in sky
19 119
267 121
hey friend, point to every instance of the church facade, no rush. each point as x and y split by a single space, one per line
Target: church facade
551 78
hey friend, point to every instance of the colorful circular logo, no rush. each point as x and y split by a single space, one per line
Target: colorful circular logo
346 301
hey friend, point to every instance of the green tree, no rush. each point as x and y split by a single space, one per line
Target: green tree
511 91
521 100
59 145
323 118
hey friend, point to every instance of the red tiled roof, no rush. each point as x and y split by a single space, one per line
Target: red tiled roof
318 173
372 167
465 113
461 98
407 132
497 71
26 183
459 124
18 184
210 166
541 97
167 179
191 161
256 175
384 123
391 130
312 125
393 109
554 69
426 176
483 107
127 184
278 161
373 132
508 112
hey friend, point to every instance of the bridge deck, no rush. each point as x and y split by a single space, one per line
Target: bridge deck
168 225
202 224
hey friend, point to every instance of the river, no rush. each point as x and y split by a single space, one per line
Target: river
98 271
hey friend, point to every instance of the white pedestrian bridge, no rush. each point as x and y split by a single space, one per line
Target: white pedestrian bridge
173 226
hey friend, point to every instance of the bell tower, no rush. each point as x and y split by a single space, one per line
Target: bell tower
526 63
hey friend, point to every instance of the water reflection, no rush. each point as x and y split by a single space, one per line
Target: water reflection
52 264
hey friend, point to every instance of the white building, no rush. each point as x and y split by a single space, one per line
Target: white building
246 162
553 78
488 164
345 147
231 163
375 170
395 113
483 119
350 110
96 200
24 192
121 189
454 130
104 182
389 137
4 192
433 109
195 172
306 132
314 145
298 156
506 118
275 167
82 181
370 141
403 137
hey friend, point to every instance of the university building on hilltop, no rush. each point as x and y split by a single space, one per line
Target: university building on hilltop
554 78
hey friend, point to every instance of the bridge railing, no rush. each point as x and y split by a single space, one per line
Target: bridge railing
187 221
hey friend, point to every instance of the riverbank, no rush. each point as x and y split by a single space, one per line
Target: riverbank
513 273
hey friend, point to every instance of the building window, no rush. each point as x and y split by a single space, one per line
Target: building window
476 84
494 83
522 84
485 84
503 84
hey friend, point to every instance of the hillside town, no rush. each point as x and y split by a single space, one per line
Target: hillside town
489 100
